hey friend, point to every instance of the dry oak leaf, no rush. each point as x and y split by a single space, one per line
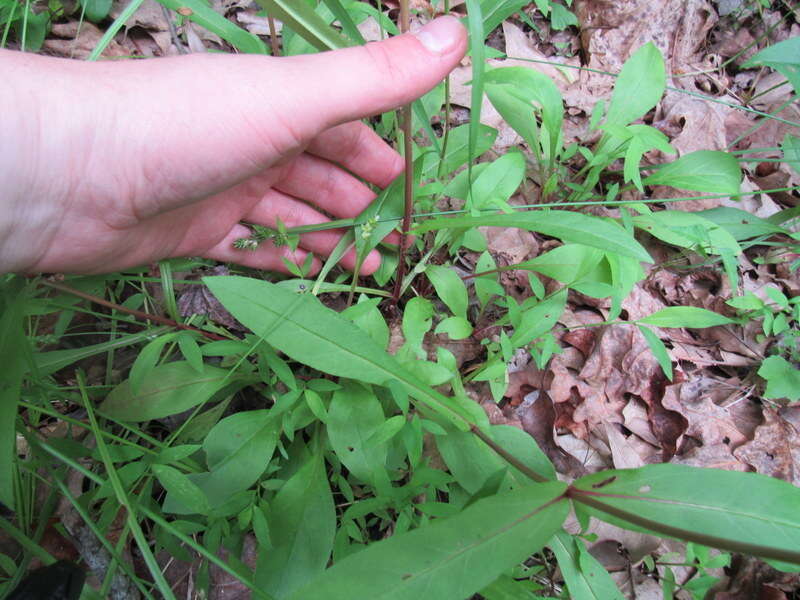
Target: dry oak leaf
775 449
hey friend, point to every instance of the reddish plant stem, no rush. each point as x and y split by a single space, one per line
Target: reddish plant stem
405 116
507 456
273 37
136 313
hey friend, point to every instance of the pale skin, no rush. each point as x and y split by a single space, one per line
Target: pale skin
111 165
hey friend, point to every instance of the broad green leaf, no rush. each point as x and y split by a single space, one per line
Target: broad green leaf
457 153
741 224
191 351
685 316
96 10
354 416
12 354
50 362
567 263
456 328
688 230
783 379
452 558
201 12
533 90
565 225
302 19
497 11
387 430
658 349
498 182
585 577
302 524
417 321
146 360
741 512
704 171
450 288
523 446
305 330
783 57
540 319
470 461
170 389
182 489
238 450
639 87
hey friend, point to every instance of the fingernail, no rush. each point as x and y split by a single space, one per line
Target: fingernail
440 34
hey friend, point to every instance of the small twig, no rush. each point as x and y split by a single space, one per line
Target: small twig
136 313
273 37
405 116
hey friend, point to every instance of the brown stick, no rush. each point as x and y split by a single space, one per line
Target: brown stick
136 313
405 116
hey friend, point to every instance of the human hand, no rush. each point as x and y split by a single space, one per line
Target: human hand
106 166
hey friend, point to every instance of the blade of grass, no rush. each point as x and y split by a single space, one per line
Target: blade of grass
348 26
302 19
157 519
478 53
122 497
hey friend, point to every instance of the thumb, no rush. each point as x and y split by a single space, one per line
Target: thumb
344 85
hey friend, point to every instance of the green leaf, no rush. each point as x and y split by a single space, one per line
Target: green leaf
204 15
658 349
238 450
498 182
170 389
182 489
305 330
386 431
302 524
13 345
50 362
477 51
585 577
354 417
191 351
685 316
688 230
302 19
567 263
741 224
704 171
452 558
783 379
456 328
639 87
497 11
565 225
96 10
783 57
517 93
741 512
458 151
539 319
560 17
450 288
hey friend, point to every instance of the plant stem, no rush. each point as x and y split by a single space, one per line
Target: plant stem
136 313
273 37
405 116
